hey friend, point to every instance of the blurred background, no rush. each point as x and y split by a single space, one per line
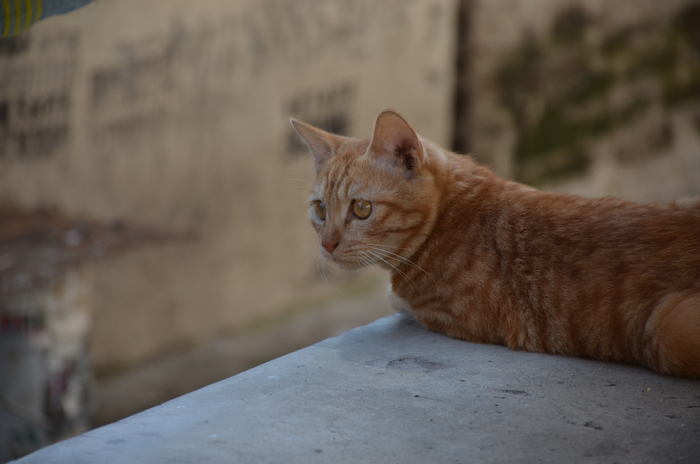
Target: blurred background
153 229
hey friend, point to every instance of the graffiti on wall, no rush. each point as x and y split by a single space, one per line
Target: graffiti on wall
190 71
36 82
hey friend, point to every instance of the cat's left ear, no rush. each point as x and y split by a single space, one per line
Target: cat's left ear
323 145
396 144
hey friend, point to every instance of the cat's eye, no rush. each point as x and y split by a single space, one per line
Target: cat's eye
361 208
321 210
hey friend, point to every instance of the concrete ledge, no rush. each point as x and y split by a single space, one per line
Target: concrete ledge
394 392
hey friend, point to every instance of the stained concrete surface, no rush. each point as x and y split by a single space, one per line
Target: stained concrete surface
395 392
116 395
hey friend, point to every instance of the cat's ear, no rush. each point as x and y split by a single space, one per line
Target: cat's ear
323 145
396 144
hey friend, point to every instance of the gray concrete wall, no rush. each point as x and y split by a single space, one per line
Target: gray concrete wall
174 114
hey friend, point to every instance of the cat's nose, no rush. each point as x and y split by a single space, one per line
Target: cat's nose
329 246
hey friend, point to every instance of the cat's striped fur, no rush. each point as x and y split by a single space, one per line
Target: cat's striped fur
488 260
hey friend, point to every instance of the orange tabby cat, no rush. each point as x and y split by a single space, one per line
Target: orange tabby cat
489 260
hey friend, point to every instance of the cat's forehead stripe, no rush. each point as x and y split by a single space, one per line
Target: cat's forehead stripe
318 189
349 187
354 187
337 177
332 178
338 181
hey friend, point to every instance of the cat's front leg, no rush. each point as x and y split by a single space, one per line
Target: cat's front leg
429 317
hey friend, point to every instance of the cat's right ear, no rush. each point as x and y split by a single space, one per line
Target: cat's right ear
323 145
395 144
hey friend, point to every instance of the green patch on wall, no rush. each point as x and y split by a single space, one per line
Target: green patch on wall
570 24
559 89
696 122
633 110
554 131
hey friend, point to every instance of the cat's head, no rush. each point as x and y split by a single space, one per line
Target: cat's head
374 200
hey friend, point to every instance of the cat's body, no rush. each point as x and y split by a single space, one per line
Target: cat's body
488 260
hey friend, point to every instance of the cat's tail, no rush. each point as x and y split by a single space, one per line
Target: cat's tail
675 336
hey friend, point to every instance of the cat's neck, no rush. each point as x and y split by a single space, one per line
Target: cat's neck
451 187
459 178
462 188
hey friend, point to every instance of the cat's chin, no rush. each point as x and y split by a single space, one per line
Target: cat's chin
346 265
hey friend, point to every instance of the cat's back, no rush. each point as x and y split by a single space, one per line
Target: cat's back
552 272
487 218
603 226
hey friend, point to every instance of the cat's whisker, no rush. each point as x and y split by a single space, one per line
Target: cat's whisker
399 271
321 269
302 172
306 184
323 264
396 257
409 264
368 262
395 247
299 180
389 246
306 188
364 261
373 266
388 254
